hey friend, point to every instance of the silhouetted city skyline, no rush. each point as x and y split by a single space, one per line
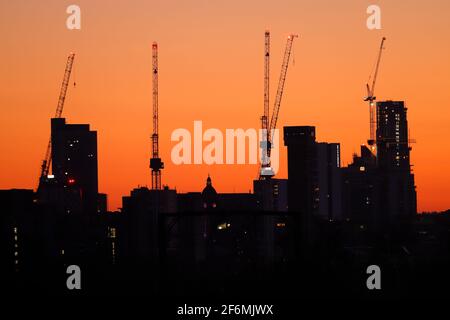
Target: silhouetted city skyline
323 213
325 86
220 150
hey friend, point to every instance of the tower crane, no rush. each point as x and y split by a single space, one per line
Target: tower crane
266 169
45 167
155 162
371 97
265 118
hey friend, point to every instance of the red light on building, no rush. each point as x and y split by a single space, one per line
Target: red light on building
71 181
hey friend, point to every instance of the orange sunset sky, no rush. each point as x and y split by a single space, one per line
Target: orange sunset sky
211 69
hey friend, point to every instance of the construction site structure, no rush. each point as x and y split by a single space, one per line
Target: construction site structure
46 163
265 117
371 98
155 162
266 171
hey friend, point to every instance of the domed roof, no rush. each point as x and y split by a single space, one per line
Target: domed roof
209 194
209 189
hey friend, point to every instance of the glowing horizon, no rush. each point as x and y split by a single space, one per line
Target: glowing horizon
211 69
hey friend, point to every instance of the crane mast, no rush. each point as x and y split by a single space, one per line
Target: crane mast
155 162
265 117
371 97
266 170
45 167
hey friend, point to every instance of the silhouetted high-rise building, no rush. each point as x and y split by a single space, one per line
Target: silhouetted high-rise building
302 183
329 180
314 174
74 165
393 160
379 189
392 136
302 175
361 189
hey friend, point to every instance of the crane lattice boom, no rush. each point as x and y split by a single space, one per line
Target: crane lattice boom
266 170
281 82
371 96
45 168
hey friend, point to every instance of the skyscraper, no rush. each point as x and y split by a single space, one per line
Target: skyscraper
302 183
392 136
379 189
314 174
329 180
74 165
302 175
393 160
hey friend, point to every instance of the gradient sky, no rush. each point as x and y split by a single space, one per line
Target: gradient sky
211 69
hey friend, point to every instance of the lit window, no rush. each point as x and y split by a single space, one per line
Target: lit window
223 226
112 233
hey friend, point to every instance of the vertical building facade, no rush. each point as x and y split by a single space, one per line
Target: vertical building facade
302 183
393 160
302 175
361 188
271 194
74 165
329 180
392 136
